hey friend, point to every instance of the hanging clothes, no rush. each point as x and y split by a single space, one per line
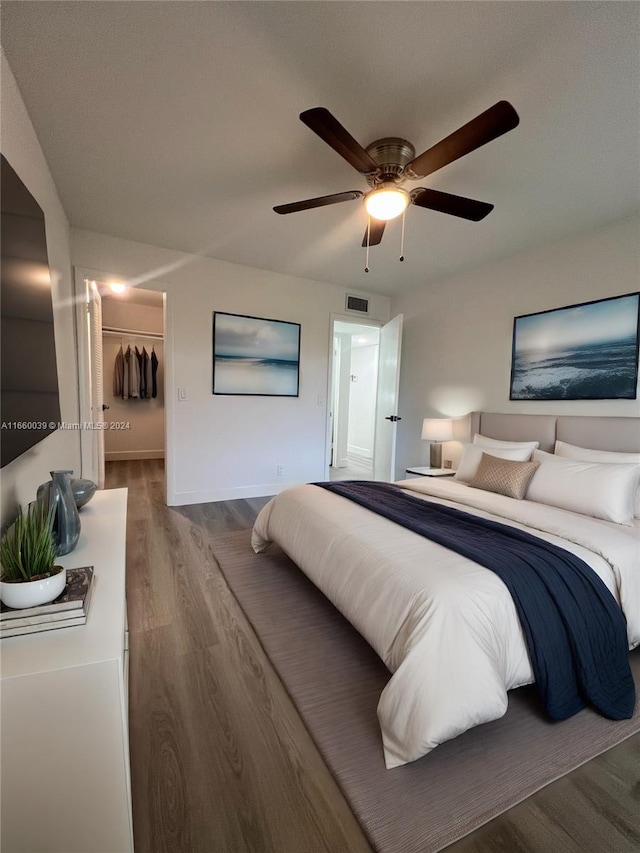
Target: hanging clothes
118 373
145 375
134 377
134 373
142 383
154 371
147 370
125 375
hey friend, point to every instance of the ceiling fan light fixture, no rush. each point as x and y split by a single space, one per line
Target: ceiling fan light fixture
386 203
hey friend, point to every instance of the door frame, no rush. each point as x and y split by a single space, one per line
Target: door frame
83 342
333 319
393 327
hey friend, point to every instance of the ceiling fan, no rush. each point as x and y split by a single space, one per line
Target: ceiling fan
387 163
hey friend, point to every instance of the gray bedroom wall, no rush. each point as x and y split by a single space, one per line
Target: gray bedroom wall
60 449
456 354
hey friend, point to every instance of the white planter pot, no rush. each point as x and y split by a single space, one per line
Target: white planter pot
33 593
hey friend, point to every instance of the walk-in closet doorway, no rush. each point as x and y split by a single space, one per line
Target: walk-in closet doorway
122 370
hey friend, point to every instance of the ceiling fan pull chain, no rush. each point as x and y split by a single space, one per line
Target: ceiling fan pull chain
366 263
401 258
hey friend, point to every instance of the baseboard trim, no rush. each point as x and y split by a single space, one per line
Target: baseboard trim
359 455
239 492
119 455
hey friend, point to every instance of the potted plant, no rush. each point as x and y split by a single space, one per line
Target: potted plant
29 575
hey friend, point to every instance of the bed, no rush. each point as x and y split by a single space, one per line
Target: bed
447 628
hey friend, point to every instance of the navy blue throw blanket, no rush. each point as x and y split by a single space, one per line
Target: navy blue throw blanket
575 632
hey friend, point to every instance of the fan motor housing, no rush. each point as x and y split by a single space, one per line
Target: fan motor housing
392 153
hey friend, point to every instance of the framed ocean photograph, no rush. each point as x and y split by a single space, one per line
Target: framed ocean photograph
255 356
580 352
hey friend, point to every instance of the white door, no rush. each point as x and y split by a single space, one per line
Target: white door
90 369
97 394
384 448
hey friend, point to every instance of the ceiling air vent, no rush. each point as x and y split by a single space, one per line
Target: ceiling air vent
357 304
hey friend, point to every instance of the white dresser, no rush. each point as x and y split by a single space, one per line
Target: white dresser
65 744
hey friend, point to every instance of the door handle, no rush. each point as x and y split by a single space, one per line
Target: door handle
393 418
104 407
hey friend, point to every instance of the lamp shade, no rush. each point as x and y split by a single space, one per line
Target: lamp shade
386 203
437 429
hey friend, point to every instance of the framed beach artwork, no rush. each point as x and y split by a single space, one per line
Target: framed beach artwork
580 352
253 356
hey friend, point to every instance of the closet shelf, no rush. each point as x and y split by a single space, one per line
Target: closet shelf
131 333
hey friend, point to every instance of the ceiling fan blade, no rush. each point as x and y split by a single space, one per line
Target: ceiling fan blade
490 124
456 205
321 201
329 129
377 230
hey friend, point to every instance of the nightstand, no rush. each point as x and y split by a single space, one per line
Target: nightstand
430 472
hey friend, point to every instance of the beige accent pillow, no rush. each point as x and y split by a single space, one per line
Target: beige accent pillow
503 476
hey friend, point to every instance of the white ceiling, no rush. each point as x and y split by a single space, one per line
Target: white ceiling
176 123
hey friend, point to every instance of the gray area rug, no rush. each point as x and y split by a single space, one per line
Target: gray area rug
335 679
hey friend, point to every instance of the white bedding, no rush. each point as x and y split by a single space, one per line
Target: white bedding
444 626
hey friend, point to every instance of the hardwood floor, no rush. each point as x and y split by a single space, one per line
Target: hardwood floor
220 760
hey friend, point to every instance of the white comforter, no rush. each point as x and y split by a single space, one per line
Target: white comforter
444 626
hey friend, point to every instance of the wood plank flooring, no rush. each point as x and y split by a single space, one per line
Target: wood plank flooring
220 760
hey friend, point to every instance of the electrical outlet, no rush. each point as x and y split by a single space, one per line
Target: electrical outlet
447 463
280 470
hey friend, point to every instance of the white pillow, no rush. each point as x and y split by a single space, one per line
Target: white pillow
485 441
472 454
597 489
572 451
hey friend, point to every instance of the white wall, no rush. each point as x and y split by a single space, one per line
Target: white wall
362 400
144 438
220 448
61 449
456 354
341 389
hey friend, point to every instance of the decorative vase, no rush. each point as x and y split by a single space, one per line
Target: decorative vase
66 520
83 490
21 594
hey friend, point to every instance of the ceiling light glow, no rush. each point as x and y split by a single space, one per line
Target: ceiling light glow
386 203
117 286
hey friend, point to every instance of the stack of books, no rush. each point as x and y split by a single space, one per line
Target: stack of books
70 608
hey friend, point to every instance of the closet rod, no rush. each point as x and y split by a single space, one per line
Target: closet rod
132 333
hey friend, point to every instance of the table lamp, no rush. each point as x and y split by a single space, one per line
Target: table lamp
436 430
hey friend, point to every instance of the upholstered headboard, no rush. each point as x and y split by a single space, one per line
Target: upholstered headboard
598 433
